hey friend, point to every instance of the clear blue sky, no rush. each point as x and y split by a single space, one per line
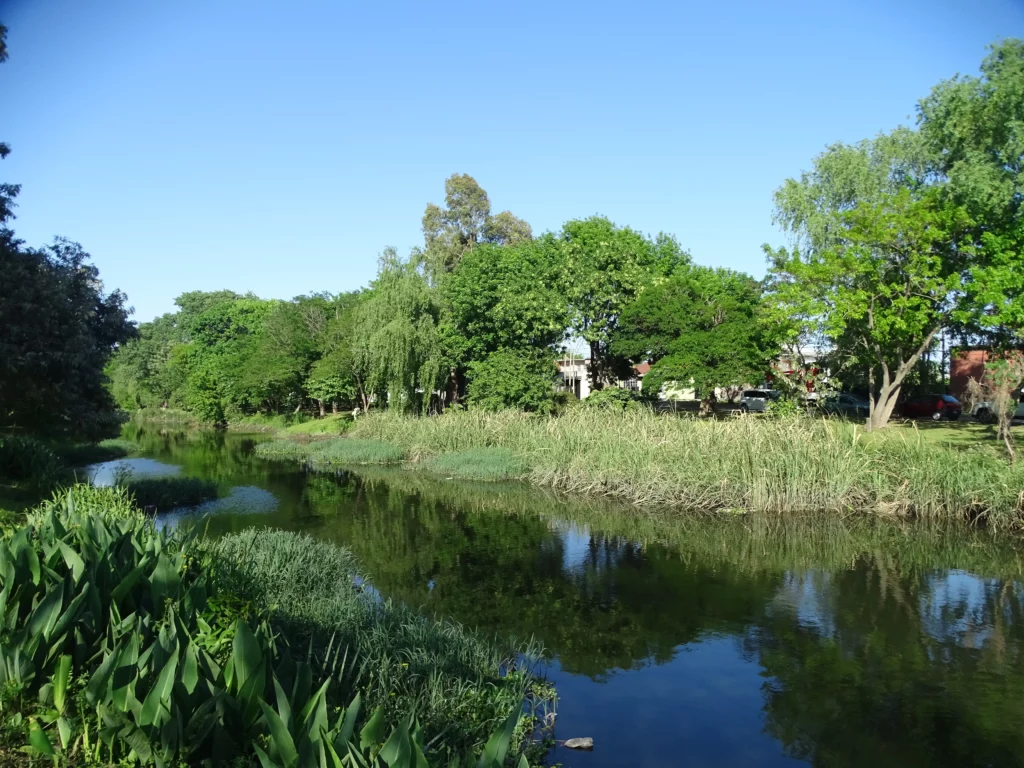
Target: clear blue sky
279 147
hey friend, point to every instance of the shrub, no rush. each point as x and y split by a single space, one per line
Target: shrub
509 379
24 459
613 399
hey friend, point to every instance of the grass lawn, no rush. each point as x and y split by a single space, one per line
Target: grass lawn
965 433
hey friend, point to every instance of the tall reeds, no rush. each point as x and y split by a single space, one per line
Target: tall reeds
775 466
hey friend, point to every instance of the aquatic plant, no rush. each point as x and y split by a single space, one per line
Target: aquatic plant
163 493
477 464
333 452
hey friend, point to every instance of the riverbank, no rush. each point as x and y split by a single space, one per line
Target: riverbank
258 615
753 465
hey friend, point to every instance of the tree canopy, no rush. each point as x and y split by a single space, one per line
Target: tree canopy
699 327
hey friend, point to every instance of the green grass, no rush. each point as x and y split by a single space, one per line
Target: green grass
477 464
163 493
763 465
455 680
332 424
337 452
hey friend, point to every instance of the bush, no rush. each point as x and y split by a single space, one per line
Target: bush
29 461
508 379
614 399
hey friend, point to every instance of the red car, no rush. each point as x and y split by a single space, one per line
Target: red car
932 407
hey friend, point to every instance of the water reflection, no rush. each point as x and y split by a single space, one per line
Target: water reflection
685 641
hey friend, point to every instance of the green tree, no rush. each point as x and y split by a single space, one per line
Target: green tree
464 221
398 342
897 238
523 379
59 329
974 127
507 297
700 327
606 267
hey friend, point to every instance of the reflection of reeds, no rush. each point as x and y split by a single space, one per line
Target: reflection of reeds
795 465
455 680
751 543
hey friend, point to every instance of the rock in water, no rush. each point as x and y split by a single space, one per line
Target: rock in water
584 743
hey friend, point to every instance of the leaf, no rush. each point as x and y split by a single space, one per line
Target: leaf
396 750
60 682
265 760
74 561
129 581
190 668
159 693
38 739
497 746
98 682
46 613
348 726
246 653
373 732
64 730
70 614
280 739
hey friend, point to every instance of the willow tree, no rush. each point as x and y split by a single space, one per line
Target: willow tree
398 342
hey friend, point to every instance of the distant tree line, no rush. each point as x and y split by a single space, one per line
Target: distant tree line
896 241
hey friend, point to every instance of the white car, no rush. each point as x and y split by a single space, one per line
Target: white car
758 400
983 411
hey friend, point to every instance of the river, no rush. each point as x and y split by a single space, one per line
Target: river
676 640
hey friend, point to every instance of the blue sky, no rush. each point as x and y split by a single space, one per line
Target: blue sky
279 147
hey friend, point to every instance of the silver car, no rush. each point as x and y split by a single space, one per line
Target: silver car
758 400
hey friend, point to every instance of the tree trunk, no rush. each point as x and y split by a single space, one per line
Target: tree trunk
889 391
334 406
884 405
595 366
707 404
323 411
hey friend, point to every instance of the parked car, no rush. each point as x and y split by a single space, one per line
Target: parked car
758 400
845 404
933 407
984 411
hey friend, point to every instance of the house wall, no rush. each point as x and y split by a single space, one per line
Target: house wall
966 365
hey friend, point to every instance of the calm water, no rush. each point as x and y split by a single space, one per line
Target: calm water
678 641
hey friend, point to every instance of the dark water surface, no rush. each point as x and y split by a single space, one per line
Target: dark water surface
679 640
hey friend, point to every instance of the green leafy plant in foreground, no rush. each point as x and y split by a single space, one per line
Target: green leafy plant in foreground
116 647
